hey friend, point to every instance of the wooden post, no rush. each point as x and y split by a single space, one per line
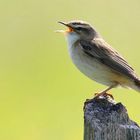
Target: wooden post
106 120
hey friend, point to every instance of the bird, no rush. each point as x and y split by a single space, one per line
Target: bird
96 59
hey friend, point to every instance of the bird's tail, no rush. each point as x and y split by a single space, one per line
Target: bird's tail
136 85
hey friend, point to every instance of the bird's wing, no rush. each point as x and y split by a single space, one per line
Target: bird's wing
103 52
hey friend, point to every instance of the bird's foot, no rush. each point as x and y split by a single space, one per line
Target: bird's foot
98 96
104 95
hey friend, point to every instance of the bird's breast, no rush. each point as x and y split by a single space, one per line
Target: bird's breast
89 65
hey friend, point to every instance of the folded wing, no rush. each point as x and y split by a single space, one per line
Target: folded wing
103 52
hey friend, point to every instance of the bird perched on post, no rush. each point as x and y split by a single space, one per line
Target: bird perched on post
97 59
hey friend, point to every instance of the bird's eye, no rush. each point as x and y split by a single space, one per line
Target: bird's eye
79 28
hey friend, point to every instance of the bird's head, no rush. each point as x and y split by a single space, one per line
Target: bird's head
81 29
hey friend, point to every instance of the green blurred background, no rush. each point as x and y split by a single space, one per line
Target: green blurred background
41 91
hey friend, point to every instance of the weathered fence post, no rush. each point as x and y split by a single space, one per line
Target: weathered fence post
106 120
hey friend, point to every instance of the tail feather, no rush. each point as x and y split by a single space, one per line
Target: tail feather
136 85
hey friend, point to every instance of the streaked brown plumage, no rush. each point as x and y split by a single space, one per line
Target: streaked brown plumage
90 52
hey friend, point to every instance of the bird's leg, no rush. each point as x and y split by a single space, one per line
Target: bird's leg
104 92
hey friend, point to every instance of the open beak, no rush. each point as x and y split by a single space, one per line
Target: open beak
70 29
63 23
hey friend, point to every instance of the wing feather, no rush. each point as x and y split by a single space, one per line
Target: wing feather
103 52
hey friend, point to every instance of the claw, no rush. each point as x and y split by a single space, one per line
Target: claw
97 95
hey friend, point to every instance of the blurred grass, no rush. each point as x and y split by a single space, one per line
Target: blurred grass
41 92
